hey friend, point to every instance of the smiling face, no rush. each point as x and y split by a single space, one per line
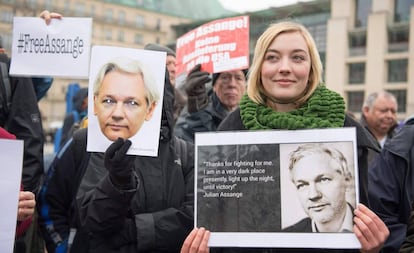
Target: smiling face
121 105
285 70
321 187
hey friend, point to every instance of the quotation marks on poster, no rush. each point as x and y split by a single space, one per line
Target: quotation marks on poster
222 178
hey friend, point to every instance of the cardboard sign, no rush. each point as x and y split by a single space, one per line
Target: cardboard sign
60 49
220 45
252 188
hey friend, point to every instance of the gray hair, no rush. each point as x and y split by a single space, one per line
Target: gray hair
370 100
131 66
319 148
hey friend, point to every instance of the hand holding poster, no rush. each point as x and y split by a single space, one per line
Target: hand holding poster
11 156
277 189
220 45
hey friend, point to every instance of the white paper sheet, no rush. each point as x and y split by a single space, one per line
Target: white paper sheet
61 48
11 158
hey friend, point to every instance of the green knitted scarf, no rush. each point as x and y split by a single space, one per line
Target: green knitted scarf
324 109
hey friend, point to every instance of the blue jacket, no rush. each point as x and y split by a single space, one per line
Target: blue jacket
391 185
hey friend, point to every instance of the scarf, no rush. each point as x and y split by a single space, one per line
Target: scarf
324 109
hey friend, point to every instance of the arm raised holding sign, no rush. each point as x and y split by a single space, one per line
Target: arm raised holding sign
207 108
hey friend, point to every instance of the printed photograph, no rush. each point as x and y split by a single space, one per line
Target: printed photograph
126 91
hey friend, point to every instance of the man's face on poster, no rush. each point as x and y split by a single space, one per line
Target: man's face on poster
121 105
321 187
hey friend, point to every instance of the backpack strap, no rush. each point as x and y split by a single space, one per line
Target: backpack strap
183 149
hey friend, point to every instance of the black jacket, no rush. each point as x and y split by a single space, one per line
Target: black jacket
205 120
391 187
156 217
23 119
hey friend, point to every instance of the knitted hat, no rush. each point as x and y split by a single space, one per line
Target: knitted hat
157 47
216 75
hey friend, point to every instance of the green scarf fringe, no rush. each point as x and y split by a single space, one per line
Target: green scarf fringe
324 109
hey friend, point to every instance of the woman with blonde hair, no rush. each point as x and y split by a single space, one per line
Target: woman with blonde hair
285 91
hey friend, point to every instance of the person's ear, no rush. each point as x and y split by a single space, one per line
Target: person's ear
150 111
365 110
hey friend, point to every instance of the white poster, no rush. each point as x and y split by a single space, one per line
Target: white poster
60 49
11 157
119 105
277 189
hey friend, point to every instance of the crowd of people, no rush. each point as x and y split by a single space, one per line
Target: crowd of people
114 202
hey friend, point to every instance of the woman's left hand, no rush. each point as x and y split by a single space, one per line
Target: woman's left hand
370 230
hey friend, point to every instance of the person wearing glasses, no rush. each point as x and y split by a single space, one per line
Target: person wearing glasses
207 108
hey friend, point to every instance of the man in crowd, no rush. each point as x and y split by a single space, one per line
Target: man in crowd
379 115
206 109
179 99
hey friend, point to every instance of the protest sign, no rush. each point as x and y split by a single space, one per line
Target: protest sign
11 156
106 119
220 45
246 194
60 49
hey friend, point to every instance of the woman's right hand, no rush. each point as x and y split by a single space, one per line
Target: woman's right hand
196 241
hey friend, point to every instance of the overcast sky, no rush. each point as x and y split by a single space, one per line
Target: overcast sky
254 5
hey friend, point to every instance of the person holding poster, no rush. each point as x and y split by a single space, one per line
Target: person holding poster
113 202
322 178
205 110
285 91
25 208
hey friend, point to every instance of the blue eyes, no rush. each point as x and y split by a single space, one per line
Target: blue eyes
130 103
108 101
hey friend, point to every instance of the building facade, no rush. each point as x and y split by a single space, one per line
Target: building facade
370 47
123 23
365 45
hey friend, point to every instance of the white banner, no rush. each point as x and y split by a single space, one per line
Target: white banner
61 48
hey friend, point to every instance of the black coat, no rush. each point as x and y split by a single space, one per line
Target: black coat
155 217
23 119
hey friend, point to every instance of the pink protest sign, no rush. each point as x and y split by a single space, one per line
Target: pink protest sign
220 45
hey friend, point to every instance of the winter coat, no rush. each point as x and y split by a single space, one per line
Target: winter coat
23 119
408 244
205 120
159 212
391 185
365 145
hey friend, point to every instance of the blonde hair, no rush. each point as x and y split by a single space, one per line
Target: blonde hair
131 66
255 89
